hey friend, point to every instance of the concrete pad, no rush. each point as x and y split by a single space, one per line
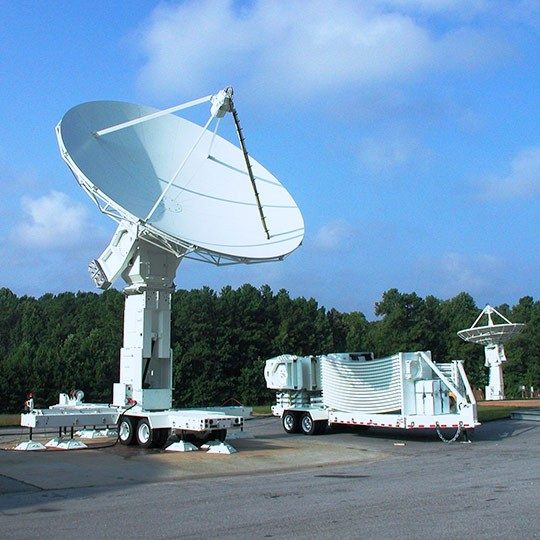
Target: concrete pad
532 415
71 444
93 433
99 465
30 446
53 443
221 448
10 485
181 446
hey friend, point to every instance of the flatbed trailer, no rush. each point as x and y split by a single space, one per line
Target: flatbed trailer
133 424
406 391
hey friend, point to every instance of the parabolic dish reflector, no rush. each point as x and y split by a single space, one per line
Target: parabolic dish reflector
209 207
491 335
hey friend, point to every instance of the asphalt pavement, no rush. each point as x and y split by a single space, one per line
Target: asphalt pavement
372 484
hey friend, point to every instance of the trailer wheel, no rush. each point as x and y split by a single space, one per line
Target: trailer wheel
290 422
146 436
126 430
307 425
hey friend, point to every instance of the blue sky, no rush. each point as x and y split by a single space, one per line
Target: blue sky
406 130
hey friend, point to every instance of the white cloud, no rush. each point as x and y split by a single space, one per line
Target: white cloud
384 154
53 221
459 7
332 235
297 49
456 272
523 181
500 11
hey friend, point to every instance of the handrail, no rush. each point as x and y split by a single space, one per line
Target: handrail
466 383
443 377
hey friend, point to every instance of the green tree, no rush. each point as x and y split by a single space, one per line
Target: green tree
221 341
523 352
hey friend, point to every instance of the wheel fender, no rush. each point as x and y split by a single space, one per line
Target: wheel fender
318 414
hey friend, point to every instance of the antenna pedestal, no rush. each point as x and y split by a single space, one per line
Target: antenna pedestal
495 357
146 356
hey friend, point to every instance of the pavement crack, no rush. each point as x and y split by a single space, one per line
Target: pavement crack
21 482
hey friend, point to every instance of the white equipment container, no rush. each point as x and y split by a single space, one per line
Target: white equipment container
176 190
405 390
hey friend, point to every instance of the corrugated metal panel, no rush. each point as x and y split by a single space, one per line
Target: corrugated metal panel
352 385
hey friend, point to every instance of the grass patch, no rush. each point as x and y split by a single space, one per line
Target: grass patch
8 420
487 413
262 409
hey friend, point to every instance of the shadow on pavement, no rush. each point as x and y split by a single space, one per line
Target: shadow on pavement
489 431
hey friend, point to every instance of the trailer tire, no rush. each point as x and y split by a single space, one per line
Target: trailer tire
290 422
307 425
126 430
146 436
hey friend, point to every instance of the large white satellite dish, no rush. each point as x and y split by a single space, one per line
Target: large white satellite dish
183 184
177 190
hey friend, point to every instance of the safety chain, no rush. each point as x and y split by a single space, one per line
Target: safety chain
454 438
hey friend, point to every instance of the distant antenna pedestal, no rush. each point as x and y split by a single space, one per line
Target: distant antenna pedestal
492 336
495 357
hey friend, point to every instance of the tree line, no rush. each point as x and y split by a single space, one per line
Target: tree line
220 340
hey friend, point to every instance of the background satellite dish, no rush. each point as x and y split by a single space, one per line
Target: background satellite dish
209 208
492 336
493 333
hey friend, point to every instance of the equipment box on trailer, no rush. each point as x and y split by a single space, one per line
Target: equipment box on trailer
405 390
